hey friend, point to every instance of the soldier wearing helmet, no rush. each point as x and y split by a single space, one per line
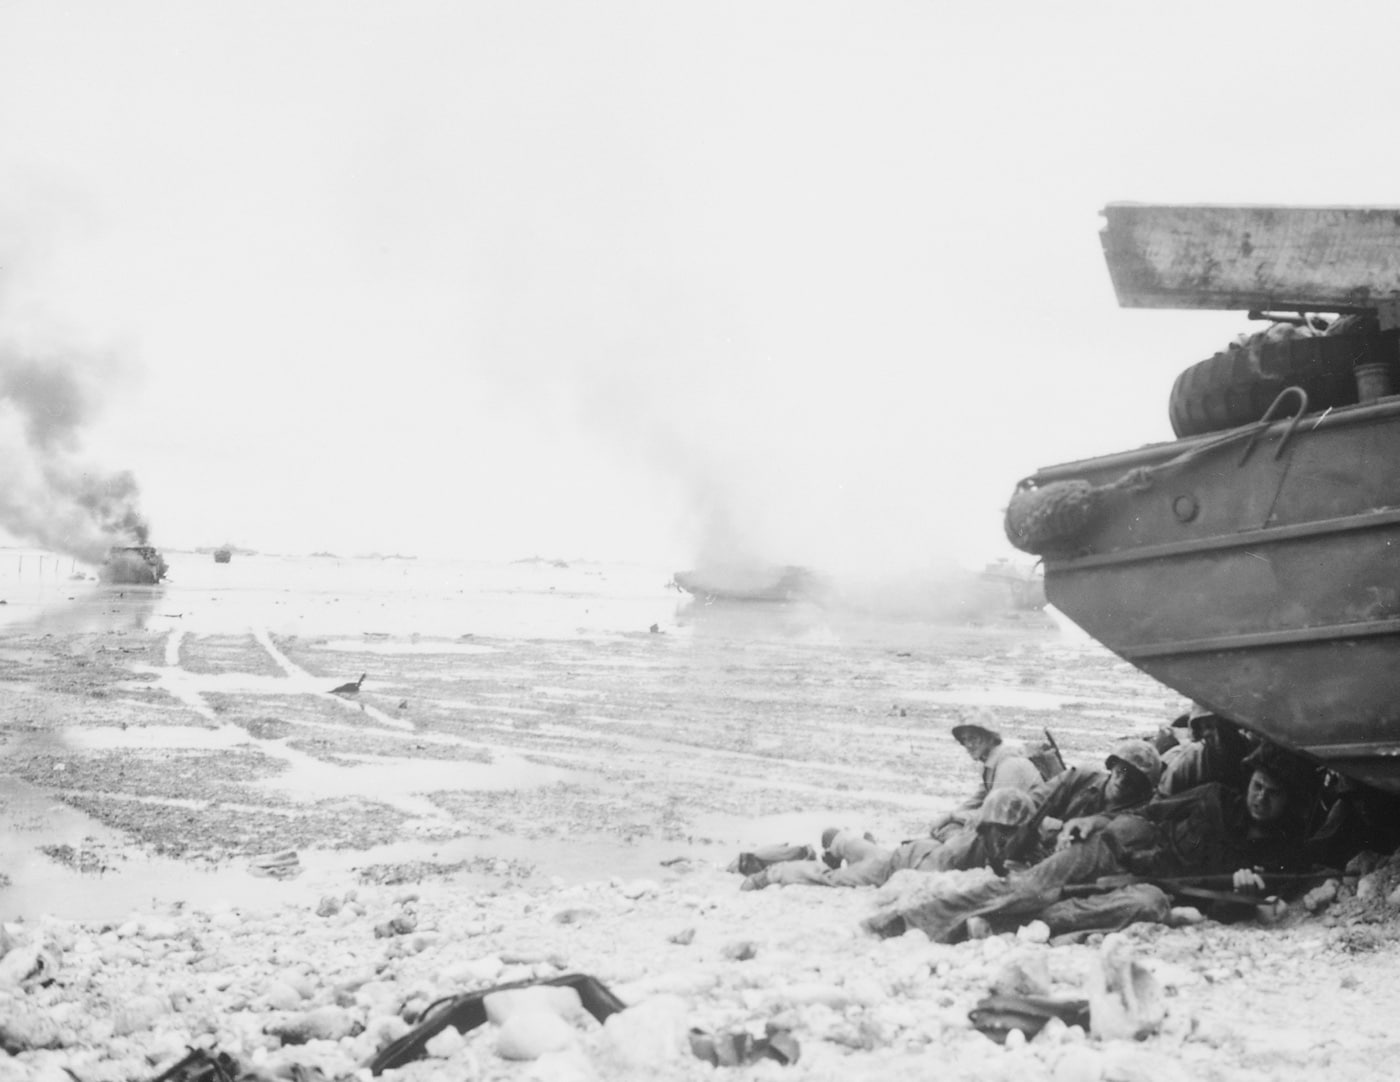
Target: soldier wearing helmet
1209 830
1003 766
1076 803
853 860
1216 751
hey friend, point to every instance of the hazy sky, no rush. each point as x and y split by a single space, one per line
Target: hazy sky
817 282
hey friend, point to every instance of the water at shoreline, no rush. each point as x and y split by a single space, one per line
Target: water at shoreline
539 661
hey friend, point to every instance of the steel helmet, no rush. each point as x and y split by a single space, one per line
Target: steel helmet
1141 756
1006 807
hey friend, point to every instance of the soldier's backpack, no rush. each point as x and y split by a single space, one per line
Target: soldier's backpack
1046 757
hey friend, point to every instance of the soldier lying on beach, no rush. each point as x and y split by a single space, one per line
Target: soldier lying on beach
854 860
1067 805
1215 751
1209 830
1004 766
1012 826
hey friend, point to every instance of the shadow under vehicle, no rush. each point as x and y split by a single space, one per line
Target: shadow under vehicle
1253 564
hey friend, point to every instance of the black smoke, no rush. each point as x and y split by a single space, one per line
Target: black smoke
51 494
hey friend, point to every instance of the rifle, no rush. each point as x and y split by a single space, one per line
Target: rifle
1204 888
1056 749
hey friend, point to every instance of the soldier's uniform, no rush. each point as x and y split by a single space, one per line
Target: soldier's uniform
1079 793
867 864
1205 831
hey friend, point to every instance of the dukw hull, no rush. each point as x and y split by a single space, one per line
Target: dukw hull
1256 572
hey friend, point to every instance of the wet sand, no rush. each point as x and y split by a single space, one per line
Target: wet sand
526 795
157 746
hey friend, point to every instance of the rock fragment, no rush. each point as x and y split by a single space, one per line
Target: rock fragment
530 1034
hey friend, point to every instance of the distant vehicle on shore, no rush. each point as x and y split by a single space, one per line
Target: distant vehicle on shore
223 555
1026 584
747 583
134 565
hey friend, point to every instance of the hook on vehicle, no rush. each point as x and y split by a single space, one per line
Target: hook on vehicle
1268 418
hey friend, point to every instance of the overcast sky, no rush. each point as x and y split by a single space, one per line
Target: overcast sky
804 281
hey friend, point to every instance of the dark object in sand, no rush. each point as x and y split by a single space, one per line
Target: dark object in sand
996 1016
741 1048
468 1010
139 565
352 688
223 555
200 1065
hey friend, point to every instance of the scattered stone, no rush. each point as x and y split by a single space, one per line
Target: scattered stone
1024 974
477 971
531 1034
328 1023
446 1043
27 966
683 938
329 907
649 1034
24 1028
560 1000
1126 1001
1077 1064
138 1013
403 924
740 950
1363 863
639 888
1124 1063
282 996
575 915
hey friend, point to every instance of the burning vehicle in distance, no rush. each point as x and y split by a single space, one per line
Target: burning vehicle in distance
134 565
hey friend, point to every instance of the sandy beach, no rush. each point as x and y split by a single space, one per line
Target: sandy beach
546 770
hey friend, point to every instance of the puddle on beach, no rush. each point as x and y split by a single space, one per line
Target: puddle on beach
31 821
43 886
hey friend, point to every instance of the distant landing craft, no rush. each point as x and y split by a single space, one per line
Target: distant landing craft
752 583
352 688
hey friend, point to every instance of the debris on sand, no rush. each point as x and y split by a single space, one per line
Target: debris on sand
283 865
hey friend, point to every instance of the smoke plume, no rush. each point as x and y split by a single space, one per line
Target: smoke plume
50 495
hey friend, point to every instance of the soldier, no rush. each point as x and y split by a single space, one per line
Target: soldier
1071 804
1215 752
1211 829
1003 767
982 843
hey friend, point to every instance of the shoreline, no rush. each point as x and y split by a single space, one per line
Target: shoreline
683 746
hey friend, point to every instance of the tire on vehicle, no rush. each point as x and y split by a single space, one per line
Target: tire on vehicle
1236 386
